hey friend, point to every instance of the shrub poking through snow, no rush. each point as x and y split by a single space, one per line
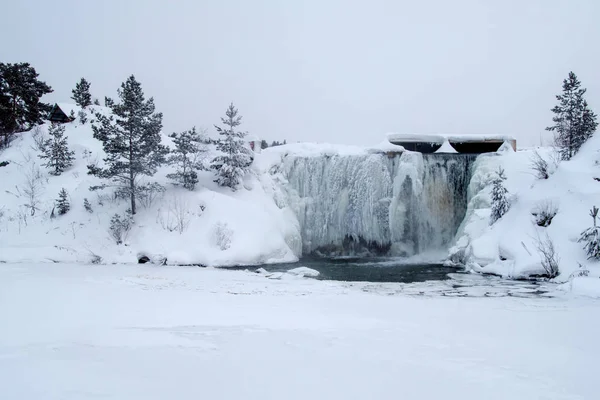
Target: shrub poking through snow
56 151
591 237
544 212
87 206
549 256
543 167
62 203
500 203
120 227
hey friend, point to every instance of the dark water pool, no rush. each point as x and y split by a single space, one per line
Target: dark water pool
368 269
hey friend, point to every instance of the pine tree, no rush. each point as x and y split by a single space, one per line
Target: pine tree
131 141
233 164
264 144
62 203
56 151
81 94
591 237
574 122
500 203
20 93
189 146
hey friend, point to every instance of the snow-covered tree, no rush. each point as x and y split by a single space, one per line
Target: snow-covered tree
574 122
591 237
131 140
87 206
56 150
20 106
233 164
187 157
82 116
500 203
81 94
264 144
62 203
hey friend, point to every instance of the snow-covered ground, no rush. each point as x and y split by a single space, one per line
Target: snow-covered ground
210 225
148 332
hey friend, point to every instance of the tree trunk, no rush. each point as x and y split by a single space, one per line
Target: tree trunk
131 177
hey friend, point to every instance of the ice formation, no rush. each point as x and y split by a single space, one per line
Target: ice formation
401 205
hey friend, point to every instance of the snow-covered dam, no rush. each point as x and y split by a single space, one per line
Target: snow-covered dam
400 205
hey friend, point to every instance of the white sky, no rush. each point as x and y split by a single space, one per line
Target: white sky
338 71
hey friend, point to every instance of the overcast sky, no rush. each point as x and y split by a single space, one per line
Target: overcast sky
338 71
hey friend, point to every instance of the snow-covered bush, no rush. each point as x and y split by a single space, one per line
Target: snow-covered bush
500 203
147 193
581 272
591 237
223 235
543 213
550 258
178 215
62 203
120 227
82 116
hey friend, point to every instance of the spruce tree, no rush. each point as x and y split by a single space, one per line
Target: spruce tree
574 122
233 164
264 144
56 151
131 140
20 93
62 203
500 204
81 94
189 146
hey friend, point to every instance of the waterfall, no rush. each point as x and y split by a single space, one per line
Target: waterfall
371 203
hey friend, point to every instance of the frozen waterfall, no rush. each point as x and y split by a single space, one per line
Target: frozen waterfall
400 205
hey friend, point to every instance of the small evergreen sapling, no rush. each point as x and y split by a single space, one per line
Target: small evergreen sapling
62 203
500 203
189 146
233 164
591 237
87 206
56 151
120 227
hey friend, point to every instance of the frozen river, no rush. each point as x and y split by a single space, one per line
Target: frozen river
147 332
